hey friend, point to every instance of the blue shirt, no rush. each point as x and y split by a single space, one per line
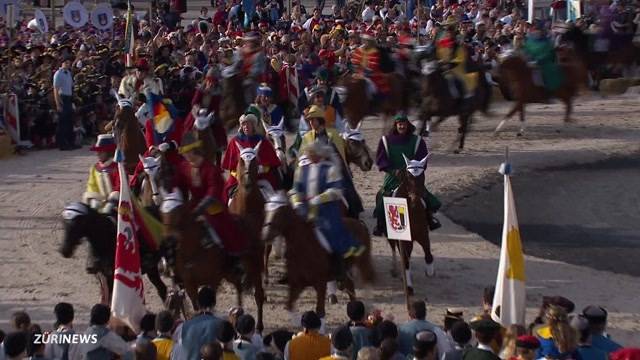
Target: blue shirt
604 343
588 352
199 331
63 81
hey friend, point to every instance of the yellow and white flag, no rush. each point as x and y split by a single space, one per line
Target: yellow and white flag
509 298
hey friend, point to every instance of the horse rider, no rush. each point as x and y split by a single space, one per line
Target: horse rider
334 113
141 81
321 133
540 52
317 196
268 161
252 63
453 53
401 140
103 185
203 182
366 60
268 113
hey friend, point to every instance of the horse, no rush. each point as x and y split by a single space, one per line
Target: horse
441 100
276 136
194 265
412 189
518 77
248 204
82 222
357 104
233 102
356 149
203 132
128 134
307 260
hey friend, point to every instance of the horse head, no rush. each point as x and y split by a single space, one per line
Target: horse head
203 120
275 134
357 151
277 214
173 213
151 167
76 218
247 168
414 174
125 114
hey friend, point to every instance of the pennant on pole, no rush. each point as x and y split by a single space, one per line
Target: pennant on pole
129 39
509 301
127 301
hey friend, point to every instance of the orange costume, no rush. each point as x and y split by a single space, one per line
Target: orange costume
367 63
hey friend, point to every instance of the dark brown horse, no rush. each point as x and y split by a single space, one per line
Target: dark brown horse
518 77
412 189
441 101
233 103
194 265
128 134
358 104
82 222
307 260
204 133
248 204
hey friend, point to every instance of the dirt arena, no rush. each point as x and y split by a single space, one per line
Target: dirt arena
35 188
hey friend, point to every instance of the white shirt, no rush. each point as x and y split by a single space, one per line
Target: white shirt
368 14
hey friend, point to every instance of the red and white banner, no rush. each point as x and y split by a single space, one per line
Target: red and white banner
11 116
127 301
289 83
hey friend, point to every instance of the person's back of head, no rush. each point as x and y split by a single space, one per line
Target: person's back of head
356 311
100 315
487 297
36 345
164 322
369 353
278 340
246 325
211 351
144 349
342 339
388 347
418 310
424 345
15 345
64 313
226 333
148 323
461 333
206 297
386 330
310 321
20 321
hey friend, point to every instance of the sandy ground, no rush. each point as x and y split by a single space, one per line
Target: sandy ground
34 189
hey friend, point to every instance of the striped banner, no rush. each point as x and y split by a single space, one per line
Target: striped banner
292 83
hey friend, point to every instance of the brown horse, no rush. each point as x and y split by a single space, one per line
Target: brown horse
204 133
356 149
128 134
233 103
248 204
307 260
412 188
441 101
518 77
194 265
357 104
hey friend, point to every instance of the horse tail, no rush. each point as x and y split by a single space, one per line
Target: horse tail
363 262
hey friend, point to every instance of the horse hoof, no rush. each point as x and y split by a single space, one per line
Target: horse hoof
410 290
519 134
457 151
394 273
431 270
333 299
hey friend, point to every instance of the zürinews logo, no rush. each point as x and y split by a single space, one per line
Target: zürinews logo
65 339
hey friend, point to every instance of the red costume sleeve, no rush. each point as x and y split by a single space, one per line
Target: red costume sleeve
267 155
197 97
230 159
212 179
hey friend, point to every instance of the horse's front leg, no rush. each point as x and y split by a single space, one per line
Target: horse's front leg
154 276
321 293
394 258
425 243
259 297
267 252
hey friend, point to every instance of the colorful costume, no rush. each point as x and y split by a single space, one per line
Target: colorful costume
449 51
367 64
208 97
205 185
267 115
389 158
103 185
540 49
317 194
268 161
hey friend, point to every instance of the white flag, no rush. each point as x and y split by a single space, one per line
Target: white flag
509 298
127 301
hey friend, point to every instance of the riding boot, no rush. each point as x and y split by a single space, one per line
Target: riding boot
211 238
434 223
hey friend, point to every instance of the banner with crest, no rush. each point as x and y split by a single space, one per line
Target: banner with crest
396 213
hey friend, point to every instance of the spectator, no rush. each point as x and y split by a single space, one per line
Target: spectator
368 353
487 331
597 317
461 336
15 345
148 327
276 342
418 323
20 321
585 349
389 350
64 314
243 346
211 351
342 342
526 346
163 341
309 343
359 330
557 338
424 346
144 349
109 344
487 298
203 328
225 337
509 341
